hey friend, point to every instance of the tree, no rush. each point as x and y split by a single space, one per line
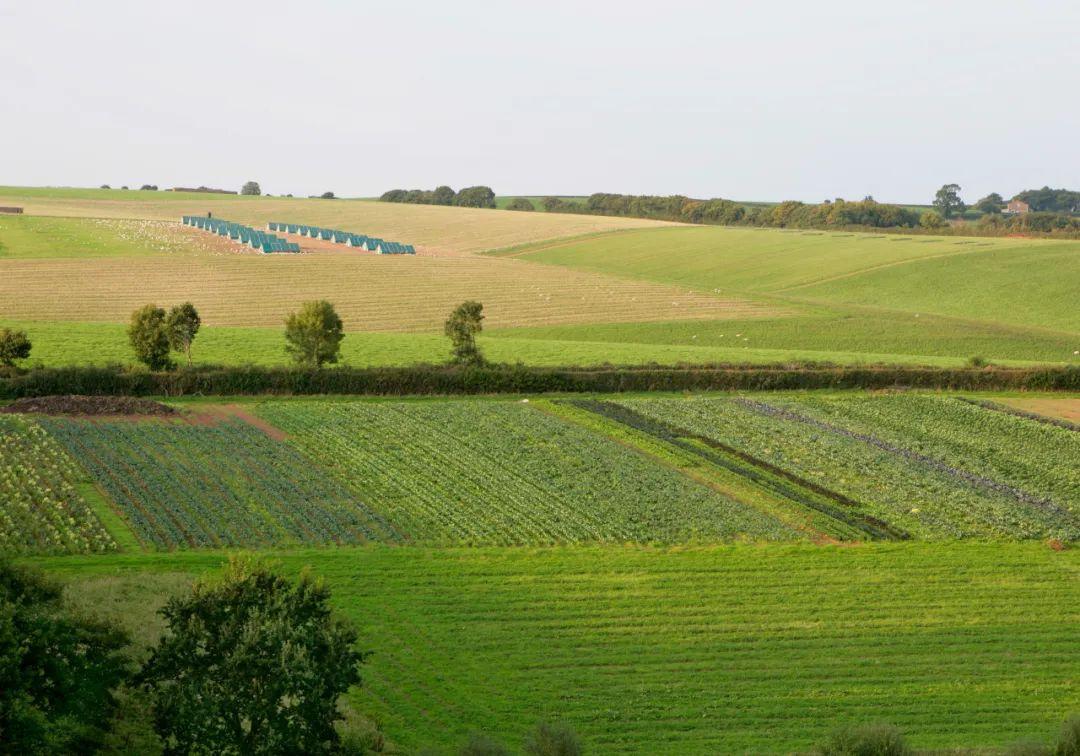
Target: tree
475 196
58 670
252 663
327 195
554 204
106 186
148 188
251 188
150 338
461 328
314 334
989 204
443 195
182 324
931 219
14 345
947 200
520 203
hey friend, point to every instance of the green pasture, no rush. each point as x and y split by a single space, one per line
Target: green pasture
728 649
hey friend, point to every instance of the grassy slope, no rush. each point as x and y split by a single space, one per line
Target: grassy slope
701 650
450 228
663 343
1007 298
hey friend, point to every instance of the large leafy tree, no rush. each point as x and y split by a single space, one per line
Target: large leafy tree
251 188
182 325
58 670
252 663
149 337
990 204
947 200
313 335
475 196
461 328
14 345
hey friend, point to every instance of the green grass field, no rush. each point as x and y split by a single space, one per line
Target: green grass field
741 649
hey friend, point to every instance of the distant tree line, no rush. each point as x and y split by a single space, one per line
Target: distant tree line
470 196
1049 200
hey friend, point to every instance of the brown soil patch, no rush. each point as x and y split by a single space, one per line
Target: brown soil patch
1064 409
212 414
89 405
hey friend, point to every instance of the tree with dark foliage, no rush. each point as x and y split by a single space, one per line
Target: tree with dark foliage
58 670
252 663
150 338
461 328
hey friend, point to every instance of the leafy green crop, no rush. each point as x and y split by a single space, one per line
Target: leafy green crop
41 510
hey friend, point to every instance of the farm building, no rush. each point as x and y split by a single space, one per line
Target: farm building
1017 207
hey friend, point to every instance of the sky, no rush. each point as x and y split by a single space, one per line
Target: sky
750 101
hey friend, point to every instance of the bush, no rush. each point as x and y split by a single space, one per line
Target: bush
14 345
932 219
116 380
521 203
977 361
552 740
866 740
1069 740
58 671
482 745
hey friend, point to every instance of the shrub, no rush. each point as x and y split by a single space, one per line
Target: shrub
14 345
482 745
552 740
521 203
1069 740
878 739
931 219
58 671
977 361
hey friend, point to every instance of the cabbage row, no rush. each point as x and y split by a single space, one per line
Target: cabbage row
229 484
42 510
926 465
496 472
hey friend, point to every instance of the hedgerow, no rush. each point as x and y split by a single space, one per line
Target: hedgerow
502 379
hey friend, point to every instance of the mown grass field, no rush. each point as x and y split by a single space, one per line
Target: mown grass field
737 649
1008 291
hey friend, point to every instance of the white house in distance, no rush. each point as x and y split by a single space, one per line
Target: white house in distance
1017 207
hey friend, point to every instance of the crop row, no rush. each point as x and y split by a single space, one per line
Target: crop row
41 509
928 495
1034 462
224 485
505 473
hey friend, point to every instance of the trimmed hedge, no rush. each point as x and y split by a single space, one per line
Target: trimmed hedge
504 379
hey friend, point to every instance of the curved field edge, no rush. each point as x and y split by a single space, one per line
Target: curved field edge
762 649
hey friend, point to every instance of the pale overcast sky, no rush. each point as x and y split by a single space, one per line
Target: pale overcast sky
748 100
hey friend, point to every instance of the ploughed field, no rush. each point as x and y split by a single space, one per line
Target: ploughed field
768 467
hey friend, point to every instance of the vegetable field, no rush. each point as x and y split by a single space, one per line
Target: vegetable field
229 484
929 467
505 473
41 510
